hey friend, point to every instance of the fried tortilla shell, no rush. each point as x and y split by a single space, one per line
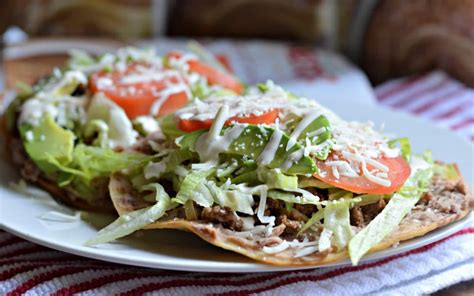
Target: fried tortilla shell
445 202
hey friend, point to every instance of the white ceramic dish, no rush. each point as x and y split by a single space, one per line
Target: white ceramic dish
21 214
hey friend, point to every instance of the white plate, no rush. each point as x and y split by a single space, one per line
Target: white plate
177 250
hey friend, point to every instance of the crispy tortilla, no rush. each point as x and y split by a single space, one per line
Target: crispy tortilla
421 220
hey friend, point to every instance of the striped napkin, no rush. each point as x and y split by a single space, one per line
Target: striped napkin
36 270
435 96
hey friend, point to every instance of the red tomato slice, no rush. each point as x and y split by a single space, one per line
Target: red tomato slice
191 125
137 98
398 173
213 75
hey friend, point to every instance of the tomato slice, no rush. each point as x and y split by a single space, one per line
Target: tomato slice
138 97
213 75
191 125
399 171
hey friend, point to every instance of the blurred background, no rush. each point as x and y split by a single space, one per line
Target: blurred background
386 38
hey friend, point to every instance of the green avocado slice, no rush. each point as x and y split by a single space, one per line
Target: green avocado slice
251 143
320 123
47 140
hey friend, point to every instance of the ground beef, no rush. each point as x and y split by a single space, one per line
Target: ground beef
274 207
307 210
372 210
361 216
223 215
321 193
291 226
298 216
357 218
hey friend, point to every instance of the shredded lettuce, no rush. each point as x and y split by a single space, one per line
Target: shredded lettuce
290 197
398 207
94 161
325 239
90 162
306 182
235 199
320 214
316 217
136 220
405 146
336 193
337 219
193 188
368 199
249 178
169 128
158 190
226 169
177 157
276 179
168 163
448 171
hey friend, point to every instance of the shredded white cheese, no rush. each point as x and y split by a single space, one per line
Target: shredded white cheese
276 249
261 206
239 106
268 153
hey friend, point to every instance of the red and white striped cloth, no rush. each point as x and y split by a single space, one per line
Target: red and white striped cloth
435 96
35 270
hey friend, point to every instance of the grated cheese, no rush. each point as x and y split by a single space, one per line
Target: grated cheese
276 249
261 206
240 106
306 251
268 153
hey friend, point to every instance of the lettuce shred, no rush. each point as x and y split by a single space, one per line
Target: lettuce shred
405 146
136 220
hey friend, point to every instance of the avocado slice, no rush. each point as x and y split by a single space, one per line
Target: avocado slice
319 123
47 140
252 142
